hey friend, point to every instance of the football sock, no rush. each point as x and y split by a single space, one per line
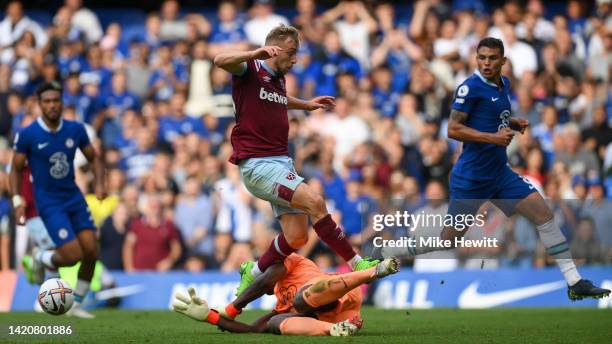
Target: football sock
330 289
277 252
353 261
82 287
302 326
334 237
558 248
46 257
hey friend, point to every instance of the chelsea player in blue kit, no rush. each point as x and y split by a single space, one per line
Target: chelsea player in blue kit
481 119
49 145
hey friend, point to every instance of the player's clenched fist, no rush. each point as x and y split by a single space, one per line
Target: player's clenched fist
503 137
522 124
266 52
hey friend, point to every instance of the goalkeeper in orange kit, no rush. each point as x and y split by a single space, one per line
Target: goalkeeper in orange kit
309 301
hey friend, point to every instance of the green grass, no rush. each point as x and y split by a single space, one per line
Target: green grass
380 327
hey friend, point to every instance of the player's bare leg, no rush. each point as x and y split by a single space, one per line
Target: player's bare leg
294 235
305 198
89 247
68 254
330 289
300 325
537 211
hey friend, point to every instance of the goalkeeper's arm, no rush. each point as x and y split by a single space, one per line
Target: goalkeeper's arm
263 284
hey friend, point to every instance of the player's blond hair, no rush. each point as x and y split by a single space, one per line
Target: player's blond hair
281 33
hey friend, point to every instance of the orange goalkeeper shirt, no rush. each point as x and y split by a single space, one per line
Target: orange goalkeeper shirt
299 271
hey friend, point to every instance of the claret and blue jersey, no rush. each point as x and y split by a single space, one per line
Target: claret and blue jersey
50 156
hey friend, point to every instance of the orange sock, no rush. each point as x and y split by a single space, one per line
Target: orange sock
299 326
332 288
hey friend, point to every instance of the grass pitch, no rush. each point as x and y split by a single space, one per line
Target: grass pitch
380 326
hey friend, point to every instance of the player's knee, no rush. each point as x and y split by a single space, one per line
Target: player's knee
317 208
300 304
275 322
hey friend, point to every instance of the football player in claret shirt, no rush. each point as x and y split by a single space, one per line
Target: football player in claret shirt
260 142
49 145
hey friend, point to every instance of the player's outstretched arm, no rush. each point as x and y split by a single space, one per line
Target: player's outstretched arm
459 131
263 284
197 309
322 102
98 170
17 165
233 61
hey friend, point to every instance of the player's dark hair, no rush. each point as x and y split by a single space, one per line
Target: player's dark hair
492 43
49 86
281 33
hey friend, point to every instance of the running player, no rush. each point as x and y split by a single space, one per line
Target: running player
309 302
260 142
481 119
48 145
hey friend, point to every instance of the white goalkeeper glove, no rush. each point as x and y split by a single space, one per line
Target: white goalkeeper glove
193 306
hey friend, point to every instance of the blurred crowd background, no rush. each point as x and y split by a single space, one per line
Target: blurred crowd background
145 86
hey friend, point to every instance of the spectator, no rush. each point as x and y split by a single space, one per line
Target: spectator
137 70
354 28
168 77
331 60
600 210
140 157
356 209
348 131
152 242
112 235
522 56
85 20
177 123
263 20
194 218
307 22
228 32
16 23
599 135
200 88
585 248
436 207
579 161
397 52
172 26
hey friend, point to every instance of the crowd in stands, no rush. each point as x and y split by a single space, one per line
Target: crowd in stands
161 112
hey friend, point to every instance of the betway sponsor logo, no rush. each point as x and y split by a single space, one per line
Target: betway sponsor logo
272 96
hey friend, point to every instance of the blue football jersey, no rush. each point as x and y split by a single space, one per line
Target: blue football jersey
51 159
488 109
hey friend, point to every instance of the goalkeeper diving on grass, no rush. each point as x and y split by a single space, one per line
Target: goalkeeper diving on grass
309 301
